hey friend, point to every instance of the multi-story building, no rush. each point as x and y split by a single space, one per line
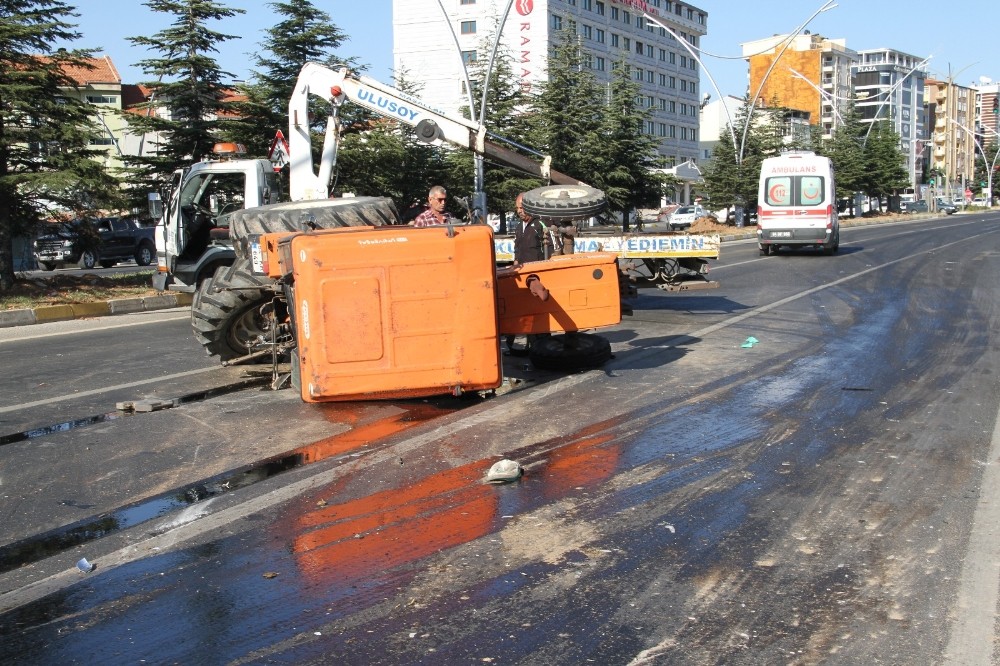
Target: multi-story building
806 72
987 112
432 45
889 85
101 86
951 108
720 116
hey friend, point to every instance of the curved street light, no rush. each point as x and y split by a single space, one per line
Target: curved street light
989 166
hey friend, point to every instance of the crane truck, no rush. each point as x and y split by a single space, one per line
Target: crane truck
211 222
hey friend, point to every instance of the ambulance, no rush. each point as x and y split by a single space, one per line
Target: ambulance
797 203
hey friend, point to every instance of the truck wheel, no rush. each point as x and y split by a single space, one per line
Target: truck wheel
46 266
569 351
226 311
563 202
306 215
88 259
144 254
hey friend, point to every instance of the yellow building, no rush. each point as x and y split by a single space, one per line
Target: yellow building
806 72
101 86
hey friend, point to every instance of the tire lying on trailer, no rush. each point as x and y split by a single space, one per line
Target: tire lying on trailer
226 312
309 215
563 202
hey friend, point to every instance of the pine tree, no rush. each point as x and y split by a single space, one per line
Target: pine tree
189 85
303 34
885 170
566 115
845 149
44 133
627 153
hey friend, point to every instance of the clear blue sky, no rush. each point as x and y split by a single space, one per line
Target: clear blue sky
960 34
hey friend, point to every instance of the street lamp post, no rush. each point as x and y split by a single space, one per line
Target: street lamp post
990 166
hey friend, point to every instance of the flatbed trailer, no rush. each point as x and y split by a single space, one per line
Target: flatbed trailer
671 261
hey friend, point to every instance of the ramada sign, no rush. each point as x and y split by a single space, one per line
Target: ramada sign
525 29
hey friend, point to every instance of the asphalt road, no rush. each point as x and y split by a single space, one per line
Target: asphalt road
826 494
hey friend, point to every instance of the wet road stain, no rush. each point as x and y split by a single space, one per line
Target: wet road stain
357 439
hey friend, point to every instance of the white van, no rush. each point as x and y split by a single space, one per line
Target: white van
797 203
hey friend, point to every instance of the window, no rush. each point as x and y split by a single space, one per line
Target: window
556 22
571 26
794 190
468 27
468 2
663 54
627 43
614 14
599 64
673 82
588 32
638 74
469 57
672 131
586 4
684 85
600 36
627 17
103 139
614 40
649 50
673 58
600 8
102 99
649 77
663 80
684 61
638 48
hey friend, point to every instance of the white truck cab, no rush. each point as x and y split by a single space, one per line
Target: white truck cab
192 235
797 203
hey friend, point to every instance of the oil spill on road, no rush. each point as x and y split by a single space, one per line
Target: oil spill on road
352 441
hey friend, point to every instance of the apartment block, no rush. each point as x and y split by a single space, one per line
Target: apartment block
951 108
806 72
433 42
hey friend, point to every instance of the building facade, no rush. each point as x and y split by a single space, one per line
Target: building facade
951 109
432 46
806 72
889 85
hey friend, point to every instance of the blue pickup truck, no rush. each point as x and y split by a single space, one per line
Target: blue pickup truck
103 241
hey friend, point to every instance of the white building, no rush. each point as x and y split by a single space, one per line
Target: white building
431 47
889 84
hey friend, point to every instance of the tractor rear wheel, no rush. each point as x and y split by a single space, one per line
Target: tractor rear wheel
309 215
226 312
569 351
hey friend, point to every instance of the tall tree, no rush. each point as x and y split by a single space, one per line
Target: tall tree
885 171
845 149
302 34
566 116
189 85
44 132
628 153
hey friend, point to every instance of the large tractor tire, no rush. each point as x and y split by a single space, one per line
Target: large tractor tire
308 215
569 351
563 202
226 311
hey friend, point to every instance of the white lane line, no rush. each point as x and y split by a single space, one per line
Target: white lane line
98 391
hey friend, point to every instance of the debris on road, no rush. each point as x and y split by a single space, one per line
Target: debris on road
504 471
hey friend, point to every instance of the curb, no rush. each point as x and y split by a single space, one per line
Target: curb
50 313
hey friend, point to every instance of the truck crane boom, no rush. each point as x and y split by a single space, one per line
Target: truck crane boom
336 86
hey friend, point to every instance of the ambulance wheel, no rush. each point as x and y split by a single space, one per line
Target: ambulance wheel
309 215
563 202
569 351
226 312
765 250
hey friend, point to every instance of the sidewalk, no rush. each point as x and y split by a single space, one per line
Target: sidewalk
48 313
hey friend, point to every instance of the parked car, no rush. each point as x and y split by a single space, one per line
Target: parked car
979 201
103 241
683 217
945 206
913 206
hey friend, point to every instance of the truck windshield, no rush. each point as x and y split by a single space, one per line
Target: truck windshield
219 192
794 190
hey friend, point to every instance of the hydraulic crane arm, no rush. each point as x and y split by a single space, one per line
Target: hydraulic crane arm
431 125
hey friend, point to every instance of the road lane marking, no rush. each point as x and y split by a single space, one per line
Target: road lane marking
98 391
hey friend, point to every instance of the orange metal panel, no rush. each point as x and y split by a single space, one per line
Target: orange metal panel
394 312
583 293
